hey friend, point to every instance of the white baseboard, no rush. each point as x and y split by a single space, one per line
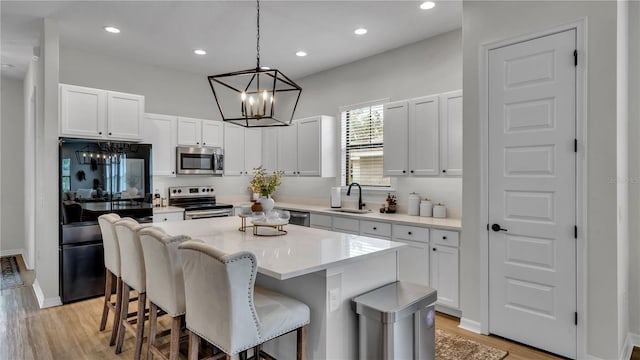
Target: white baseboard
12 252
470 325
42 301
631 341
449 311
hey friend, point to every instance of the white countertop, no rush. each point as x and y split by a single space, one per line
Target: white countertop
438 223
302 251
167 209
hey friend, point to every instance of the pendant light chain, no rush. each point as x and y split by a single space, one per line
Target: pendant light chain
258 34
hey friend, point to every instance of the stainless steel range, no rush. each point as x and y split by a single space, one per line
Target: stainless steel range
199 202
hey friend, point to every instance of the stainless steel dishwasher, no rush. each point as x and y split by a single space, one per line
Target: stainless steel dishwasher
300 218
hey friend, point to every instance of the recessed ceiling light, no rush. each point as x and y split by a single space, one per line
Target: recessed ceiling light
111 29
360 31
301 53
265 68
7 66
427 5
199 52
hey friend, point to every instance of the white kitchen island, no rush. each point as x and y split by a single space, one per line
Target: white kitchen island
323 269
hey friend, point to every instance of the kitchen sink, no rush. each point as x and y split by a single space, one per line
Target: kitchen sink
351 211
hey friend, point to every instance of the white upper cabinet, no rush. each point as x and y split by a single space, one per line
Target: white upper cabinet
160 132
317 146
270 150
243 150
288 149
423 136
100 114
396 132
200 132
451 133
124 115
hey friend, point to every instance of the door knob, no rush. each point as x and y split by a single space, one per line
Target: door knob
496 227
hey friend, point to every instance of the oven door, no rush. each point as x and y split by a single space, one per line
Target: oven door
199 161
205 214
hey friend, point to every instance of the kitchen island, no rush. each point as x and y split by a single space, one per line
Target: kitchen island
323 269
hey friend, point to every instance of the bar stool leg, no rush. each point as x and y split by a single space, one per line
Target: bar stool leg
153 325
107 299
116 315
123 316
194 344
301 335
142 304
174 347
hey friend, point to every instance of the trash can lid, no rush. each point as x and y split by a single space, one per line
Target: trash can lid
395 301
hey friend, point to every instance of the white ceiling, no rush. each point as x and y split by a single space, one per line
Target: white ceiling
165 33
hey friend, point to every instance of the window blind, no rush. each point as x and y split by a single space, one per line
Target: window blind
362 146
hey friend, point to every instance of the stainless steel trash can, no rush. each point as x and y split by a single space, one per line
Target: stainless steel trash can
397 321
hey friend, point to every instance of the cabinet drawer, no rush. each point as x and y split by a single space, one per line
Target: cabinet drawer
171 216
411 233
351 226
374 228
321 221
445 237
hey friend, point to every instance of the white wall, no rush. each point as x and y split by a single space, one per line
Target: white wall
12 188
31 85
427 67
490 21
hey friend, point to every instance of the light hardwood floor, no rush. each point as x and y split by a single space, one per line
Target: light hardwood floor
71 331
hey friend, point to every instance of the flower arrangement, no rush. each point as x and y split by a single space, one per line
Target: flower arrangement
263 184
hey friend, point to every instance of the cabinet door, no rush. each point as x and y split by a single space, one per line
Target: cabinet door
82 111
233 150
252 150
172 216
212 133
451 133
444 274
424 150
288 149
125 114
413 262
346 225
396 132
189 131
270 150
160 131
309 146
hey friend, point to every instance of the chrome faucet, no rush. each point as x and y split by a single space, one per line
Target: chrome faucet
360 203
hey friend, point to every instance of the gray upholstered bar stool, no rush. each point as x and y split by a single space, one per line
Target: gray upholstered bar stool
112 269
133 278
225 309
165 286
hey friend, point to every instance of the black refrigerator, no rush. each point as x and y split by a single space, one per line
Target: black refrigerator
97 177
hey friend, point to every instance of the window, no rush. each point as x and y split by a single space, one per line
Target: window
361 143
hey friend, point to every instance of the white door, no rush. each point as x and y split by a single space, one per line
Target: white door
423 136
82 111
160 132
212 133
309 146
532 250
233 150
189 131
125 114
451 133
396 132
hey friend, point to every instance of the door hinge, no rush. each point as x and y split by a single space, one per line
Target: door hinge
575 145
575 318
575 232
575 57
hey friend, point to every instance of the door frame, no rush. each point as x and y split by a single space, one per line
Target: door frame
580 26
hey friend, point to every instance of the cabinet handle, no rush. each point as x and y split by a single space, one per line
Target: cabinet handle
434 249
109 133
412 171
409 233
404 171
444 171
204 143
197 143
99 132
444 238
165 219
173 172
375 228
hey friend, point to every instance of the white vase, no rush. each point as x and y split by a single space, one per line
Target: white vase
133 191
267 204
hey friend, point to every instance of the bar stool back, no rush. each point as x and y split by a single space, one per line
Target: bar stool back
112 269
225 309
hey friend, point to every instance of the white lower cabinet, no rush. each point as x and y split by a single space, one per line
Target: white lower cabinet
346 225
375 229
413 262
320 221
445 275
168 216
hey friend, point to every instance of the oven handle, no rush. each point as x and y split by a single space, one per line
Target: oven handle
207 214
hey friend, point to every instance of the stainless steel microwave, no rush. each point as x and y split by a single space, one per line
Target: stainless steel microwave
199 160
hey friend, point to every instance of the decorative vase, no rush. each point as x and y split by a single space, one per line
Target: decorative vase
267 204
256 206
133 191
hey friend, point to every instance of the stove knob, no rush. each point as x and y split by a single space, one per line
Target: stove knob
179 191
211 189
203 190
174 191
